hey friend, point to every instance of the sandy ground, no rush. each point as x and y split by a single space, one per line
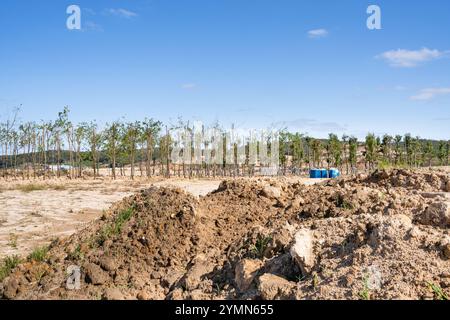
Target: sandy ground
59 208
29 219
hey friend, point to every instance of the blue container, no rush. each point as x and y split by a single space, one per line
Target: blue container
324 173
315 173
334 173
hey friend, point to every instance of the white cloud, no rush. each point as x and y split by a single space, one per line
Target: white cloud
121 13
91 26
188 86
410 58
89 11
430 93
317 33
314 125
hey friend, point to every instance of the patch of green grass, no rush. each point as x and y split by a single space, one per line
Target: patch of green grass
38 254
218 290
261 245
386 165
114 228
343 203
31 187
439 294
8 264
102 236
364 294
121 219
39 274
76 254
347 205
315 280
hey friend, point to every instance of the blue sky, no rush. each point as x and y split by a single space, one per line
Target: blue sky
310 65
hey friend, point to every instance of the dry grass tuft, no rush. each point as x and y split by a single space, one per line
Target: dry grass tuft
31 187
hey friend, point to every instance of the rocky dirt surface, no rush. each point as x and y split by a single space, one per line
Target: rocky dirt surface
383 236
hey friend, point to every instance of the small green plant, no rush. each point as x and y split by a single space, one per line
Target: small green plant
386 165
315 280
8 264
364 294
38 254
300 278
115 227
103 235
218 290
261 245
76 254
347 205
438 292
343 203
121 219
39 274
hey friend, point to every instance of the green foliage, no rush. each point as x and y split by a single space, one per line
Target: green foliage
114 228
371 149
123 217
386 165
316 147
438 292
297 147
122 143
352 151
341 202
364 294
334 149
8 264
39 254
76 254
315 280
31 187
260 246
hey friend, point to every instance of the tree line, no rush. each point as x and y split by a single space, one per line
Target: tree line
142 148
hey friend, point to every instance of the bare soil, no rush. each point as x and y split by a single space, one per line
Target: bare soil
34 213
383 236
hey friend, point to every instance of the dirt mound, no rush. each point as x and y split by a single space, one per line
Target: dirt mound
364 257
337 201
256 238
428 181
152 233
